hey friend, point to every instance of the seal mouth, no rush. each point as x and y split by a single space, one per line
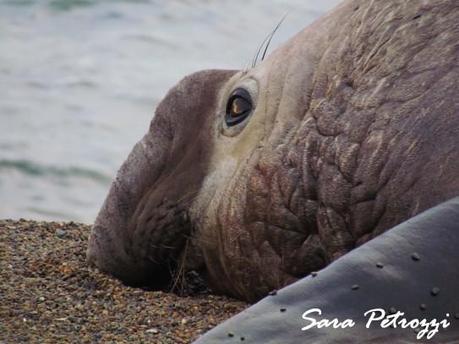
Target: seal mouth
184 275
187 273
186 283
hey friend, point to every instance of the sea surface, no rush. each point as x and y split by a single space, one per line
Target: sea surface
80 79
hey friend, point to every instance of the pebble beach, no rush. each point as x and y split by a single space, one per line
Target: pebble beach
48 294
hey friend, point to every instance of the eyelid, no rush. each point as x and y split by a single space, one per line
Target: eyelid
241 92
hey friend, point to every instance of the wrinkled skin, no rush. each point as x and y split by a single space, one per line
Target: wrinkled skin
355 128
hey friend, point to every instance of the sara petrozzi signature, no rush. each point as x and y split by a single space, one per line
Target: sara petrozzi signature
379 317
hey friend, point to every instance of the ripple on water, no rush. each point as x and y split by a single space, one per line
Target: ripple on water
35 169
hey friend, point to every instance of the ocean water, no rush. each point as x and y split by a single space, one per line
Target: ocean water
80 79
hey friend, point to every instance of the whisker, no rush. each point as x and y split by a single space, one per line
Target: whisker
266 42
254 62
272 35
179 278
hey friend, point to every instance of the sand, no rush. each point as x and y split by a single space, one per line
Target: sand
49 295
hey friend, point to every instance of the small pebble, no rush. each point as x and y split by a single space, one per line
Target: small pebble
230 334
415 257
153 330
355 287
60 233
314 274
392 310
435 291
242 339
379 265
422 307
272 292
283 310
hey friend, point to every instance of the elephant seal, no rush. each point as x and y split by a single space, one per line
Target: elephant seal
259 177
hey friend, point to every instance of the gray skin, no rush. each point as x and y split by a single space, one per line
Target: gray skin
354 129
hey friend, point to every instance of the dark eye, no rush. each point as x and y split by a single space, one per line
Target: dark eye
239 107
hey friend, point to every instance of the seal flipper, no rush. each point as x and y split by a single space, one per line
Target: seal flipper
412 268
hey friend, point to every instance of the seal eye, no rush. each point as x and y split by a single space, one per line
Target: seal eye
239 107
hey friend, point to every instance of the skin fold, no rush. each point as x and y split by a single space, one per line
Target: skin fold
354 129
